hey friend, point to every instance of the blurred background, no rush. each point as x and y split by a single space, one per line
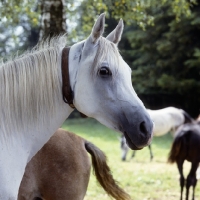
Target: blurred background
160 41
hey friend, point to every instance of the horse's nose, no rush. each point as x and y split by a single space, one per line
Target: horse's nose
143 128
138 130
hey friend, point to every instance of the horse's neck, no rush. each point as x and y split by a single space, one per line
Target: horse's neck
19 148
46 130
34 109
38 134
74 59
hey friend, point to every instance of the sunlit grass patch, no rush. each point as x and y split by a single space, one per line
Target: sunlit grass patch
142 179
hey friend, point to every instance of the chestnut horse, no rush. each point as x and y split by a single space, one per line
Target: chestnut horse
61 170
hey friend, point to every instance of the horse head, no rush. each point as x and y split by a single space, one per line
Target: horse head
101 82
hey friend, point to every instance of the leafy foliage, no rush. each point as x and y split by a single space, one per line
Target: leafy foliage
17 11
26 14
160 41
165 58
133 11
18 21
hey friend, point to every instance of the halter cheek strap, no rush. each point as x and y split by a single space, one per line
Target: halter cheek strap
68 94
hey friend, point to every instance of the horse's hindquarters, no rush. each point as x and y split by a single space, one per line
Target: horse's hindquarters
65 170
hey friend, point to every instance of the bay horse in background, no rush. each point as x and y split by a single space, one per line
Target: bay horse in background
41 88
61 170
186 146
165 120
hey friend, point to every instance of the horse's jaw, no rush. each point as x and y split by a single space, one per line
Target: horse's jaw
47 129
134 139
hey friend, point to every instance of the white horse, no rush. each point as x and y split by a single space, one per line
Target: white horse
165 120
34 85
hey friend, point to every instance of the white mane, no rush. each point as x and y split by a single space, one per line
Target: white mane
30 85
107 51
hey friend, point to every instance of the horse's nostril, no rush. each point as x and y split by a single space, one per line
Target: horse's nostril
143 128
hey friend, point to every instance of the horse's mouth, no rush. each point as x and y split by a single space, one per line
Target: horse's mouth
130 143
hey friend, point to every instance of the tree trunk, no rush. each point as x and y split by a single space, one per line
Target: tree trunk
53 18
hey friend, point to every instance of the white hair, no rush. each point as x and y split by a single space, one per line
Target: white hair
30 85
107 51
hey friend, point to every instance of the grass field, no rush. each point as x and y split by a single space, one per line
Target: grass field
142 179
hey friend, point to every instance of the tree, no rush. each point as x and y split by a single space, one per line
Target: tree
27 14
18 22
132 11
165 60
165 57
53 18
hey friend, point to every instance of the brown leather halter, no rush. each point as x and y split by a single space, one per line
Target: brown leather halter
68 95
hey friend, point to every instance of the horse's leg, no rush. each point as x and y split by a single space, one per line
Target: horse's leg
191 179
125 149
151 153
133 154
182 179
193 192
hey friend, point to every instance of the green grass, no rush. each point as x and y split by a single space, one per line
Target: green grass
142 179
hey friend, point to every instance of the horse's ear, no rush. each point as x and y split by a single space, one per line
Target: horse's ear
98 28
115 35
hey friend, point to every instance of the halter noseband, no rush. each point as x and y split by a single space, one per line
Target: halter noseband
68 94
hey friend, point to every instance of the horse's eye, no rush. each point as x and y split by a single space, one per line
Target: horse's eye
104 72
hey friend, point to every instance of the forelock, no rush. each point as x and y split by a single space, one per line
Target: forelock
107 51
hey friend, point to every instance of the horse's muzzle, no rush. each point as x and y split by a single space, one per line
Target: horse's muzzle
130 144
138 134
